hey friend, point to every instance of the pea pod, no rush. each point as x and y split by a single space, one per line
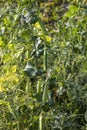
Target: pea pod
41 121
39 86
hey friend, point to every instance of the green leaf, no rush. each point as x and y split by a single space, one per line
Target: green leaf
71 11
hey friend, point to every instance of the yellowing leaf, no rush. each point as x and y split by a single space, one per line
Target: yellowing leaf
48 38
2 102
14 68
62 45
7 21
37 25
1 89
12 78
16 79
2 79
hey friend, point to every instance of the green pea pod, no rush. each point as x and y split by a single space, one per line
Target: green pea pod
39 86
27 85
41 122
45 59
45 93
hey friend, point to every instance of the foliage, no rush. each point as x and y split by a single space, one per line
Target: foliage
43 64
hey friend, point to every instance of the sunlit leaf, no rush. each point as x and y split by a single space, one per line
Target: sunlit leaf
48 38
10 46
37 25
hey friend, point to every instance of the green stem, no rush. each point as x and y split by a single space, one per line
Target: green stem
45 92
45 49
36 59
36 63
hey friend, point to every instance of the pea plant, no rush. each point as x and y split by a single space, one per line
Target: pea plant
36 70
43 65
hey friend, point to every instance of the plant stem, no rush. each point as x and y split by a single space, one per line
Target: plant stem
45 49
36 59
